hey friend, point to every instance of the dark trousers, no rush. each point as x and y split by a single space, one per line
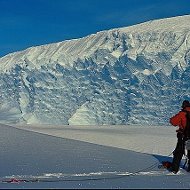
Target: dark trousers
179 152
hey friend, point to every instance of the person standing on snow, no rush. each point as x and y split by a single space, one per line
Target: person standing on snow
181 120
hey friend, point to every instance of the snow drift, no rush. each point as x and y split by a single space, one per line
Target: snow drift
133 75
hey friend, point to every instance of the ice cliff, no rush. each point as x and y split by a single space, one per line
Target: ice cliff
132 75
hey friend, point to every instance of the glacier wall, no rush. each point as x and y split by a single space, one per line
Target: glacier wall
133 75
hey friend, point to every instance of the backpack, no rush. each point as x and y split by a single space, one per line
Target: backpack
187 131
187 127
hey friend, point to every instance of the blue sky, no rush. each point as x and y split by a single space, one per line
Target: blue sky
26 23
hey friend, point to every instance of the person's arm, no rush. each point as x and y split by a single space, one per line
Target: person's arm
177 120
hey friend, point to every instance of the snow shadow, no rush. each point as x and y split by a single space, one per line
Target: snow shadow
161 158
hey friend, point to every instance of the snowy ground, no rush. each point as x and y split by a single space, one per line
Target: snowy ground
88 157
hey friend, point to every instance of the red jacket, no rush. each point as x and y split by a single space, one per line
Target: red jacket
179 119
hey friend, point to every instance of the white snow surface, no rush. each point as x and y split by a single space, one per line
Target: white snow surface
92 157
131 75
118 136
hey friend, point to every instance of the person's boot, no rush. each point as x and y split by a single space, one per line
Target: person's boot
174 169
175 163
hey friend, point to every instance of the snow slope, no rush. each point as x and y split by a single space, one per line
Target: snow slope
131 75
71 163
135 138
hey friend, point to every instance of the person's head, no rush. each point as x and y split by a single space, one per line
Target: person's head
185 104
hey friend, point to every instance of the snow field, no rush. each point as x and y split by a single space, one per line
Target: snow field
27 153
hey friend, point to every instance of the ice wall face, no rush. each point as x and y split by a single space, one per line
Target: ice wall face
134 75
